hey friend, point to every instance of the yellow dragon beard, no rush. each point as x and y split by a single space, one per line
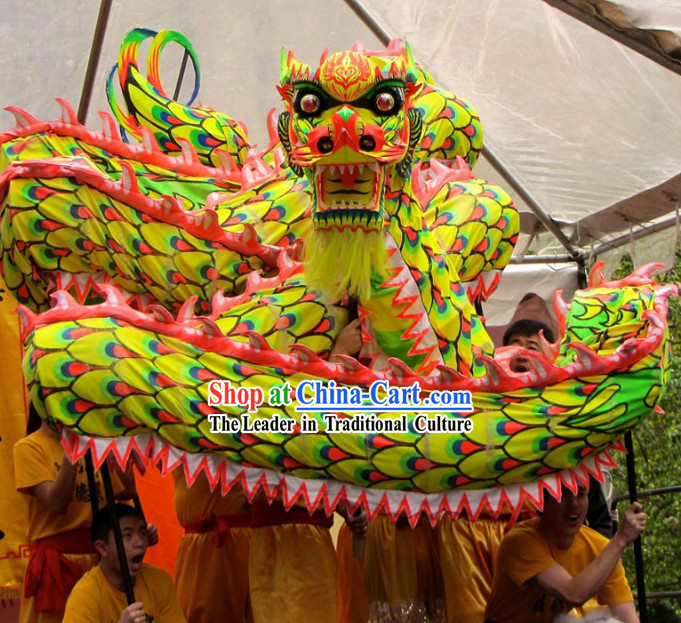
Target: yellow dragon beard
343 261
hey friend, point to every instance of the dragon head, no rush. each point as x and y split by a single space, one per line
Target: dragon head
349 127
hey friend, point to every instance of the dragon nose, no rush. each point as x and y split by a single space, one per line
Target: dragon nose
345 126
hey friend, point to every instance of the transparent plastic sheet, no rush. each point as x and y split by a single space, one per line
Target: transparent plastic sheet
658 247
580 120
45 53
520 279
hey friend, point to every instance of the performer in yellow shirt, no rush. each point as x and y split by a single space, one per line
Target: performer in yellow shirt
402 572
59 520
550 564
353 603
211 567
292 563
99 595
468 553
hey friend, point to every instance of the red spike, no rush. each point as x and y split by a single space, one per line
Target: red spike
210 328
396 44
112 295
128 181
27 318
450 376
349 364
561 309
189 155
249 235
305 353
585 356
169 205
186 313
272 120
68 115
148 139
160 313
400 369
23 119
109 127
227 163
596 276
257 341
63 299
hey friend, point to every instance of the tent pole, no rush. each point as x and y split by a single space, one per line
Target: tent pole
562 258
369 21
638 234
610 30
93 61
638 549
180 77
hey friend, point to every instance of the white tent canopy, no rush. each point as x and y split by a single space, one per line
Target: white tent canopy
587 128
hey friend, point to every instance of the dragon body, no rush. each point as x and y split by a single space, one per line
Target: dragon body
217 262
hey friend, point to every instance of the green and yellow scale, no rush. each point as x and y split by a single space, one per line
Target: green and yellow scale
216 262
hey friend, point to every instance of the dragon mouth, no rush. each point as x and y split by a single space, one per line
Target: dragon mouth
349 194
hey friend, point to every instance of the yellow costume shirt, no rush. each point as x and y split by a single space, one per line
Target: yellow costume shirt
291 569
524 553
402 572
95 600
38 458
211 567
468 555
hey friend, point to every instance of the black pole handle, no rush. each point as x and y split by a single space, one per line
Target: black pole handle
91 484
638 548
118 536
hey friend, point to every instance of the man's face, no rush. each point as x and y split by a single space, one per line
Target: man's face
530 342
568 515
134 533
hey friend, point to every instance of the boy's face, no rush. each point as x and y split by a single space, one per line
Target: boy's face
135 541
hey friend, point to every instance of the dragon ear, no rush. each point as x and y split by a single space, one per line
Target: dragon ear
291 69
410 67
282 130
415 132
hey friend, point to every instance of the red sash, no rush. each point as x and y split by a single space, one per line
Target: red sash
275 515
50 576
219 525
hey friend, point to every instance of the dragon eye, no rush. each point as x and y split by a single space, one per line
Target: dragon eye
309 104
385 102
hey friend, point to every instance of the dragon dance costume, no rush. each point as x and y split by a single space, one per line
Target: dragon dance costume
216 262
